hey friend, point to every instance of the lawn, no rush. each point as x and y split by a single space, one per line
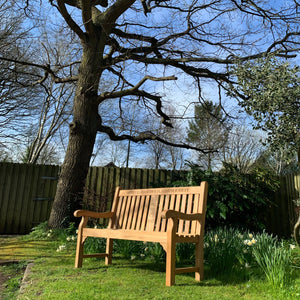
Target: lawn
53 275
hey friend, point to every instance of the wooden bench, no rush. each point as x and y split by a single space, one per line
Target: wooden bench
162 215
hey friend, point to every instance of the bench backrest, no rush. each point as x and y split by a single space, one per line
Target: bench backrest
141 209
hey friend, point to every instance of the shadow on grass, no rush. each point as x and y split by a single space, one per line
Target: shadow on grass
210 279
226 278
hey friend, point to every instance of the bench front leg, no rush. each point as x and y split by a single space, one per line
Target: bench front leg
109 250
199 275
80 243
171 252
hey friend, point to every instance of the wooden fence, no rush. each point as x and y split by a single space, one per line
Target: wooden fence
284 212
27 192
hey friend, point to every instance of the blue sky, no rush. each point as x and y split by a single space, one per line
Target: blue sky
183 91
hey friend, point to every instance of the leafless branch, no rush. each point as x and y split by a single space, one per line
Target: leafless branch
69 20
145 136
46 68
134 90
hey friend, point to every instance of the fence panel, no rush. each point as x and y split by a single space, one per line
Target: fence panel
283 215
293 195
27 191
26 195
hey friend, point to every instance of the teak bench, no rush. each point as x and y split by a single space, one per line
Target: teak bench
163 215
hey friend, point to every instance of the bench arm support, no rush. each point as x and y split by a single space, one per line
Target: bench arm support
92 214
167 214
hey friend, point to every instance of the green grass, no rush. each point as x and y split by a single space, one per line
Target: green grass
54 277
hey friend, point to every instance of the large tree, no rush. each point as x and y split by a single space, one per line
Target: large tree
142 43
270 89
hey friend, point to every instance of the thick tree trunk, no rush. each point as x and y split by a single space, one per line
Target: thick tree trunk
83 130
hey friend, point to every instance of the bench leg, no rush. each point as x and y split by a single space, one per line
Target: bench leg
199 261
109 250
170 263
79 252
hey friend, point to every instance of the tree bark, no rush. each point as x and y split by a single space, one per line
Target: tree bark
83 130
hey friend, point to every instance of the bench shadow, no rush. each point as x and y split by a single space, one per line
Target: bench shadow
210 279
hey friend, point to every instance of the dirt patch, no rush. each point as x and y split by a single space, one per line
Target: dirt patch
7 275
3 279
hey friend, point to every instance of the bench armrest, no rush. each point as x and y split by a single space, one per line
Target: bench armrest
92 214
166 214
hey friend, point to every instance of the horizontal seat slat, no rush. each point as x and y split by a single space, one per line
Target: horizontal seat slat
135 235
124 234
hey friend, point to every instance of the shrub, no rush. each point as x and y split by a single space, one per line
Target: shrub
235 199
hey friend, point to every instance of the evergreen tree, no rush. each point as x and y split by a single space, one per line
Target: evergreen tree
208 130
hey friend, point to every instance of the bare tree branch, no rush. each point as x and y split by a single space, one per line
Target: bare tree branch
146 136
72 24
46 68
134 89
87 17
108 19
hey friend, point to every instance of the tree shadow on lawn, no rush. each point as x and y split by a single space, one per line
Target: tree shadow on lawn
210 279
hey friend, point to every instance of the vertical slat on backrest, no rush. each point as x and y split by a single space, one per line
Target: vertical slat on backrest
203 192
137 212
177 202
195 210
142 204
182 209
120 212
131 212
152 213
187 224
127 211
200 198
170 205
172 202
163 202
145 212
115 208
202 204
